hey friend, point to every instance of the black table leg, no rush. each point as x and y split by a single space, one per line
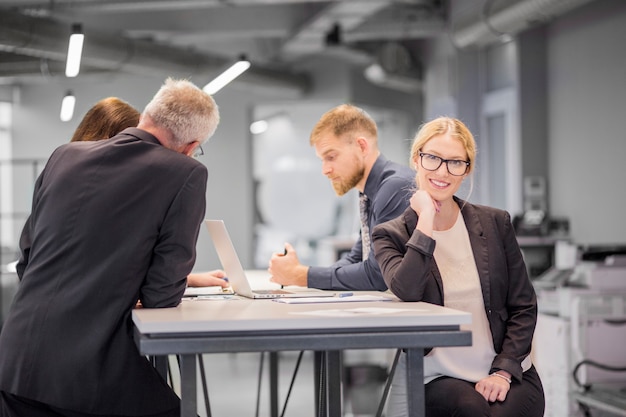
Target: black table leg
333 378
160 364
319 365
188 389
273 366
415 382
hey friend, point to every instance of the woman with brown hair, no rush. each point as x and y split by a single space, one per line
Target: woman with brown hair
105 119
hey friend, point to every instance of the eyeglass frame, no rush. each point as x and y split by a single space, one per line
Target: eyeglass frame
198 152
441 161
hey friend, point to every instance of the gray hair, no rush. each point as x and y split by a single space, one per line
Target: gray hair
186 111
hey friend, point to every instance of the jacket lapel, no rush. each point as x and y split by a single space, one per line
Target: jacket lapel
480 248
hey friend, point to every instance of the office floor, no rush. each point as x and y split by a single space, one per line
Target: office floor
233 381
234 391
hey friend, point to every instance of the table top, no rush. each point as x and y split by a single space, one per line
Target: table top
238 314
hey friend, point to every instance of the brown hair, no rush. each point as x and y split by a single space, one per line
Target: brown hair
105 119
345 119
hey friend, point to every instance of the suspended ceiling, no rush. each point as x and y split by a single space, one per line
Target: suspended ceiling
279 36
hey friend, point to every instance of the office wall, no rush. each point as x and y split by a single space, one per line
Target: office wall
37 131
573 115
586 111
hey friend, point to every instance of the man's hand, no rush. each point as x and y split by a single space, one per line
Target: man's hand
494 388
213 278
286 269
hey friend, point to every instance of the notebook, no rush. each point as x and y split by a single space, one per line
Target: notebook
236 274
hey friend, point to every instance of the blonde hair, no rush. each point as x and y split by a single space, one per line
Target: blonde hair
342 120
440 126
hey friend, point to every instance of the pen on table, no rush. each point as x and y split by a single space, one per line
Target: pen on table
284 253
345 294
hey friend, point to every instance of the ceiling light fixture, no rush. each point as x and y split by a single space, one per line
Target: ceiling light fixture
74 51
67 106
11 266
258 127
227 76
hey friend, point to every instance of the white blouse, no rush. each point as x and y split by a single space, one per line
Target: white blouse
461 288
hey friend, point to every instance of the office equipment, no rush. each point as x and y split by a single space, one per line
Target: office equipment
236 275
247 325
583 322
607 275
598 272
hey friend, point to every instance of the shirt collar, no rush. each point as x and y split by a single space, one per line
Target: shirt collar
140 134
374 177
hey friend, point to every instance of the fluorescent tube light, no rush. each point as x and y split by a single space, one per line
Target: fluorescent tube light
227 76
67 107
74 51
12 266
258 127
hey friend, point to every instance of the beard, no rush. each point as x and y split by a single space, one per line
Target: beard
343 186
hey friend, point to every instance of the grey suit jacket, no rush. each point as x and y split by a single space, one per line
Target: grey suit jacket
112 222
405 256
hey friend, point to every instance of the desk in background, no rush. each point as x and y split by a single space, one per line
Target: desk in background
243 325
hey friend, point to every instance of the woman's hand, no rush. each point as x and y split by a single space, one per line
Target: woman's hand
421 201
494 387
426 208
207 279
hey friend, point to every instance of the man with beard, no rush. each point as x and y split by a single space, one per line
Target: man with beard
346 140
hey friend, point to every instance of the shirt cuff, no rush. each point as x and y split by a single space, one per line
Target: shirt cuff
421 243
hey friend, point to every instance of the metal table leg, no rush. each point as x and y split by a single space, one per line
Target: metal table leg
333 384
188 389
273 384
415 381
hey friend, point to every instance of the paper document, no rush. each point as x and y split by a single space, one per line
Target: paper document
214 290
352 312
350 299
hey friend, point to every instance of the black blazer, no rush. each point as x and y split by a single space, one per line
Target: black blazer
112 222
405 256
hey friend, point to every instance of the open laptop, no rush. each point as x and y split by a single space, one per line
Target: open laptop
236 274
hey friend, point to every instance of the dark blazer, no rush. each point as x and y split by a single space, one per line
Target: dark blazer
389 187
405 256
112 222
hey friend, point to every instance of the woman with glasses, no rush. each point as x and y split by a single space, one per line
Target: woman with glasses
447 251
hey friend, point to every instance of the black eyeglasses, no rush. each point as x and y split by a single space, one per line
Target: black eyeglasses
456 167
198 152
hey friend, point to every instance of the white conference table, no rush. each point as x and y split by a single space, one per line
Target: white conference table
243 325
